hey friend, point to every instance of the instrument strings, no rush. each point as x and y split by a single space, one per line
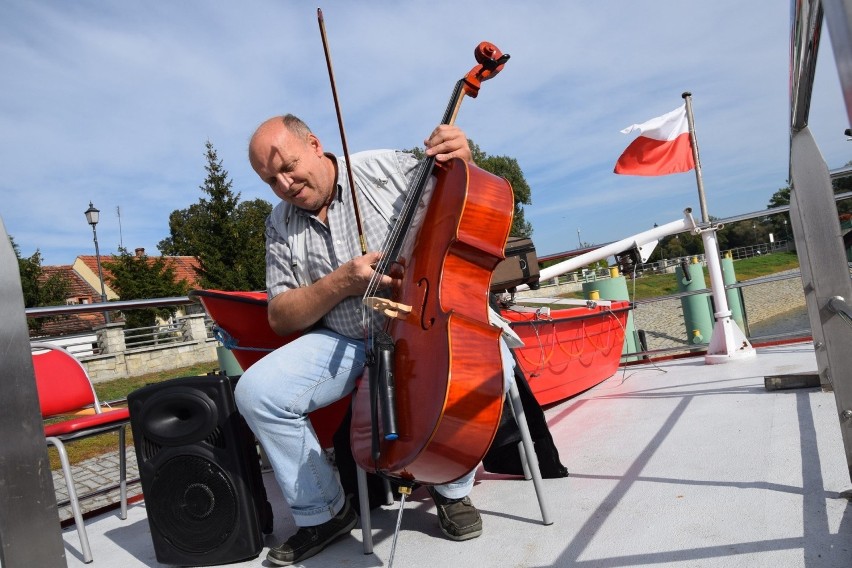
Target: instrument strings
393 245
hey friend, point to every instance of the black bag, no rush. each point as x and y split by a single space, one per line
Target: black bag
504 457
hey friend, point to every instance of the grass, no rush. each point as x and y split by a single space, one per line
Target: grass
117 390
757 266
656 285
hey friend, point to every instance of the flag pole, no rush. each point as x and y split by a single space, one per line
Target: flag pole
728 341
693 142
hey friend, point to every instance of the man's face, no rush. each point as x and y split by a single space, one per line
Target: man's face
292 165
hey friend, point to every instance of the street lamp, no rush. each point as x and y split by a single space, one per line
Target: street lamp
92 217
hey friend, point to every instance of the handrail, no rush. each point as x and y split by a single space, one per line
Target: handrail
44 311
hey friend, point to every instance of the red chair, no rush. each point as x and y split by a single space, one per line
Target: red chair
64 388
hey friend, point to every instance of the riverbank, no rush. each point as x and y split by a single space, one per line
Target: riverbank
770 308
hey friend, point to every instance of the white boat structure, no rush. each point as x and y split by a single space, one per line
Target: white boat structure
673 462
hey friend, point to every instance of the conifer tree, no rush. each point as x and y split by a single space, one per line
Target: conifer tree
225 235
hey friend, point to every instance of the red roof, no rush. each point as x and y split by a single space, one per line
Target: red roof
78 288
81 292
184 266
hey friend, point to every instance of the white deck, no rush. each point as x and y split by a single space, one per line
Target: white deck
672 464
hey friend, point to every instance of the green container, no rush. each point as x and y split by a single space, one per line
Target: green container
734 296
615 288
227 362
697 308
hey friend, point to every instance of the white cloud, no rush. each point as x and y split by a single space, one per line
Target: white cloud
113 102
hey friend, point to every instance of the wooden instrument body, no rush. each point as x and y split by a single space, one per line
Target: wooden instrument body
448 366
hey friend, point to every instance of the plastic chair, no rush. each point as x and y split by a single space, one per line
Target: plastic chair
64 388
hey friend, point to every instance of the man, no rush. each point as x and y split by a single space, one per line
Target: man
316 275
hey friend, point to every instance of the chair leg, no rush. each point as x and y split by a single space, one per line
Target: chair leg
522 451
72 498
122 471
529 450
364 504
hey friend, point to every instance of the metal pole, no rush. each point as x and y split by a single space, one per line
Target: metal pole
728 342
644 242
813 213
693 142
100 272
29 525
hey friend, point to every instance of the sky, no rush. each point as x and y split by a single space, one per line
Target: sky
112 102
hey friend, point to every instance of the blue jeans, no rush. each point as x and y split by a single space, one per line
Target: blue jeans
275 396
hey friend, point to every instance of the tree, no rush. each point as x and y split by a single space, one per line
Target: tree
136 277
226 236
508 168
682 244
778 223
39 291
505 167
779 198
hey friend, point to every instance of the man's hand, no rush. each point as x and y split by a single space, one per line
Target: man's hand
357 273
446 142
300 308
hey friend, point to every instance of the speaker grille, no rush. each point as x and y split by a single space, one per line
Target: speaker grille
147 449
194 503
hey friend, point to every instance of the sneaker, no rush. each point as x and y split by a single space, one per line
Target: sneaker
310 540
458 518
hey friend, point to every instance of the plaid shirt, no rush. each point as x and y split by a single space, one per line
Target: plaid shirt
300 249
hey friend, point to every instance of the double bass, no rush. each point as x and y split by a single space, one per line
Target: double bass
430 401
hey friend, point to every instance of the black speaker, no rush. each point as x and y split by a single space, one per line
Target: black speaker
200 472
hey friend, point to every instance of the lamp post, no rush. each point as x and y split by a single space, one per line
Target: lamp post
92 217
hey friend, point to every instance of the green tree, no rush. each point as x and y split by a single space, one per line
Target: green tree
508 168
39 291
779 224
682 244
779 198
226 236
137 277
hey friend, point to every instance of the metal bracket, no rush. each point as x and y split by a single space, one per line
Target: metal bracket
838 305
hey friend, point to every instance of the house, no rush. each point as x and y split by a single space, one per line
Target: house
87 267
79 292
85 288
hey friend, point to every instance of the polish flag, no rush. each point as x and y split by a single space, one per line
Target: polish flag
661 148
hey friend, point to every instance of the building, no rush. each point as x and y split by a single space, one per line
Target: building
80 292
86 266
85 288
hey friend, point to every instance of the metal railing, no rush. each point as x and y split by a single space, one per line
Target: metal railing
152 335
164 334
